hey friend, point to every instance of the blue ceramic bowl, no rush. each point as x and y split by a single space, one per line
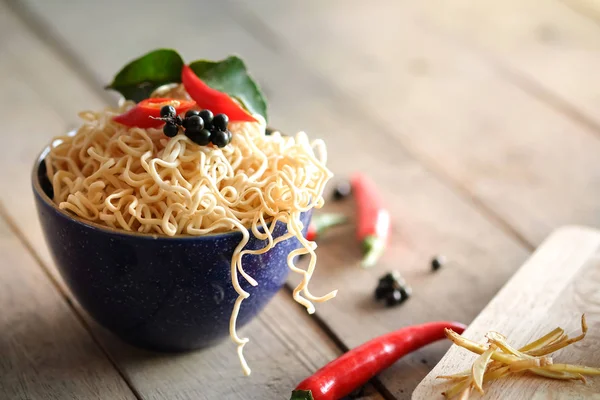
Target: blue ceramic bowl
157 292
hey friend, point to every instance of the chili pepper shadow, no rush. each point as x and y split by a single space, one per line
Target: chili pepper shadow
370 304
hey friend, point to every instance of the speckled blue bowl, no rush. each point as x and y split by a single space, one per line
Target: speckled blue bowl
157 292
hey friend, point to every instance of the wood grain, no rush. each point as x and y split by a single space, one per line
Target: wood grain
434 97
553 288
286 344
285 347
554 47
428 216
34 107
45 353
587 8
522 162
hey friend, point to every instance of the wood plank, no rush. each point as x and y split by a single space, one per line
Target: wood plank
587 8
45 353
548 43
552 289
525 164
286 345
35 107
428 216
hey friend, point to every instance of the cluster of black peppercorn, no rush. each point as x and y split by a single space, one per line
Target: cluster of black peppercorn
200 126
393 289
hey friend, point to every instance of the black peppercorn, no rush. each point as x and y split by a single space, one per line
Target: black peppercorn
201 137
194 124
391 279
190 113
207 117
168 112
170 129
438 262
393 298
405 293
219 138
381 292
220 122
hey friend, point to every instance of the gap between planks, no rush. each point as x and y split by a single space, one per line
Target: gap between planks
439 172
510 149
253 25
45 35
65 297
340 98
261 31
587 8
534 89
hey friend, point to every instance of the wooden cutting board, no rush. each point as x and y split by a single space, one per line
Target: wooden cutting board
553 288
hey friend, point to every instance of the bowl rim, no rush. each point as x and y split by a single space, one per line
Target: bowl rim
41 194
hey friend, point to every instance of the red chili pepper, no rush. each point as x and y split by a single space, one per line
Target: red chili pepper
144 113
212 99
373 225
321 222
355 368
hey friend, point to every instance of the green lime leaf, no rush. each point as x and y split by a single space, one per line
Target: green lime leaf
302 395
231 76
138 79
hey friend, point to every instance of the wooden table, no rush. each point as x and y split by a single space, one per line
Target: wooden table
479 120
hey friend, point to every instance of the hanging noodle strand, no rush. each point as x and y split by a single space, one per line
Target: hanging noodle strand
139 180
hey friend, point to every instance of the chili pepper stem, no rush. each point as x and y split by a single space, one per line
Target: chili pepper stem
322 222
373 250
302 395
